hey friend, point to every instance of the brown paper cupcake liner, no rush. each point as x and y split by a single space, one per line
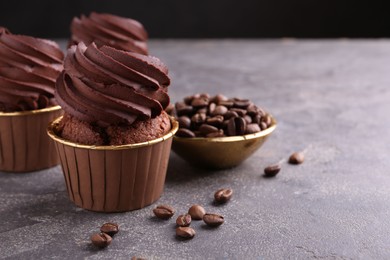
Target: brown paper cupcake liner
24 144
114 178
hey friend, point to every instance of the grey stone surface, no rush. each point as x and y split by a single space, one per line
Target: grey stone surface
331 99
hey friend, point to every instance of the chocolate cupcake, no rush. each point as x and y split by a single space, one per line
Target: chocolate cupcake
29 68
115 138
111 30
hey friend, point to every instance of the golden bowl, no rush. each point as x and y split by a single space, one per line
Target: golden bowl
220 152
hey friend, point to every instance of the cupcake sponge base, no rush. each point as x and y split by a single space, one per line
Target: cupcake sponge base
72 129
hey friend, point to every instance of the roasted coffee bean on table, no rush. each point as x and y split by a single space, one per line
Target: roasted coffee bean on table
223 195
201 115
296 158
101 240
137 258
164 211
110 228
197 212
183 220
213 220
185 232
272 170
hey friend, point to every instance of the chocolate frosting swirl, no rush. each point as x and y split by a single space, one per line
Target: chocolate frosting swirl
29 68
107 29
106 86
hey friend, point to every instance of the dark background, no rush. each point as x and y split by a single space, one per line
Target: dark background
209 18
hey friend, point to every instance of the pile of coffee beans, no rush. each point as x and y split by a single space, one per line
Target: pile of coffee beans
195 212
201 115
104 238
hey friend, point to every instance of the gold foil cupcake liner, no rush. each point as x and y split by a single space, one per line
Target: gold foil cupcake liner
24 144
114 178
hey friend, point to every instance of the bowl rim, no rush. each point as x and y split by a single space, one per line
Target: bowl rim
31 112
228 139
55 137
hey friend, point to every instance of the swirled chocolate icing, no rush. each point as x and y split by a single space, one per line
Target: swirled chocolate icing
106 86
29 68
107 29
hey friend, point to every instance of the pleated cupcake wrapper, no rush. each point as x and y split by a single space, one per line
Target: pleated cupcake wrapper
24 144
114 178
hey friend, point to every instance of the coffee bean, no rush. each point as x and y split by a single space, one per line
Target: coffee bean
225 124
196 211
213 220
226 103
101 240
164 211
296 158
188 100
261 111
248 119
185 110
206 129
219 110
219 133
256 119
240 125
185 232
239 111
252 110
183 132
266 119
179 105
184 122
183 220
212 107
263 126
231 127
223 195
272 170
244 103
218 98
215 121
198 119
252 128
200 102
137 258
110 229
236 126
230 114
204 95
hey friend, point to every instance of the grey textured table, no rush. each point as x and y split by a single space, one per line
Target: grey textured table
331 99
